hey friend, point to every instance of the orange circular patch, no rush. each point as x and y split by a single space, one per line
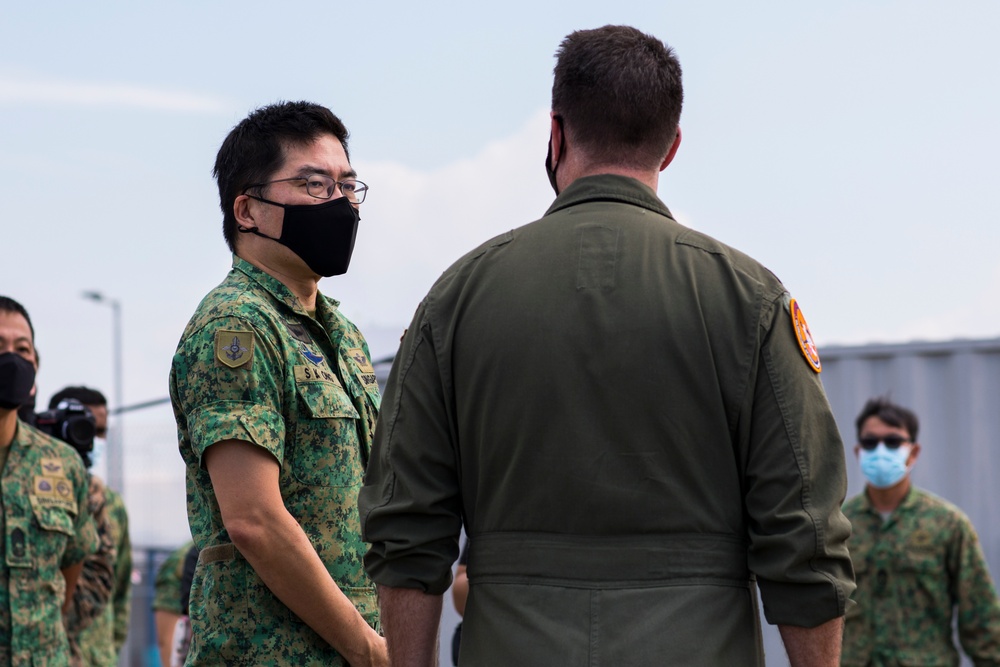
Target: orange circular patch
806 343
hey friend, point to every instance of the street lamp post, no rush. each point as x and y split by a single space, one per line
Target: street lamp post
115 450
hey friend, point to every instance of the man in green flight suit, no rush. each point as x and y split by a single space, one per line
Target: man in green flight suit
626 414
47 531
275 400
917 559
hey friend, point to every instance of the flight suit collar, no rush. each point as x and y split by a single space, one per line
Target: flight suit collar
609 187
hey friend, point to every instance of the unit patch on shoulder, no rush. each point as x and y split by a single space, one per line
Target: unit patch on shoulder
804 337
234 348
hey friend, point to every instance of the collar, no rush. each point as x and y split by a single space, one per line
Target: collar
278 290
609 187
909 501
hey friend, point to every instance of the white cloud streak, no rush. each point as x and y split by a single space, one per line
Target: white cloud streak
22 91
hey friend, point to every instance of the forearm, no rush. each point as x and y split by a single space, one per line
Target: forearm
281 554
410 621
813 647
166 621
71 574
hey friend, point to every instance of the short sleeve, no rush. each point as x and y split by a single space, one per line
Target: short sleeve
226 381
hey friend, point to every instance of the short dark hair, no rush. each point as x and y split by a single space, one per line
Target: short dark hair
85 395
619 91
255 149
894 415
8 305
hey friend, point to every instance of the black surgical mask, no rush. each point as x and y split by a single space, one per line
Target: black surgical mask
17 377
321 234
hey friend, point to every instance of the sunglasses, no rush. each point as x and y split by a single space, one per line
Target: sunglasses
891 441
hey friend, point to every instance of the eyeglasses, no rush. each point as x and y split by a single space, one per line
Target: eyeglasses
891 441
321 186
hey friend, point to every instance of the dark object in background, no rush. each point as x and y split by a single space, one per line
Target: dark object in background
72 423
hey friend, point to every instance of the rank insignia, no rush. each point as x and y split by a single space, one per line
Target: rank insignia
804 337
234 348
360 359
297 331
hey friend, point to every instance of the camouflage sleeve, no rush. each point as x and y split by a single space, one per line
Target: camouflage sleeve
123 569
168 582
972 588
96 582
227 379
85 540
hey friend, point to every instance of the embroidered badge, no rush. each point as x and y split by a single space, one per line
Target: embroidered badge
360 359
234 348
49 491
310 355
309 374
297 331
803 335
53 467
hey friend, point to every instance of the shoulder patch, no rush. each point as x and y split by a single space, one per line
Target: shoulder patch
53 467
234 348
804 336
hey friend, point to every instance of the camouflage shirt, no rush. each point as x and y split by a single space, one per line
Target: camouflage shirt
97 620
168 582
253 365
912 570
46 528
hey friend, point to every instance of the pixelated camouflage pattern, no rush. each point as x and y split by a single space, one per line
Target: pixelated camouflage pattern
97 619
302 396
46 528
912 571
167 596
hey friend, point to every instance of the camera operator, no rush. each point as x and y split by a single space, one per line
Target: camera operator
47 531
103 592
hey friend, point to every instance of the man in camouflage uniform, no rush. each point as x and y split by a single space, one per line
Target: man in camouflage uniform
97 620
47 531
168 601
275 399
917 558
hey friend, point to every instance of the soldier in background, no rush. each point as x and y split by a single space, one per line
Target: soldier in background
47 531
916 558
170 603
103 593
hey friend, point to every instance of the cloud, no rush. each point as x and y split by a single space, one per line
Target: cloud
19 91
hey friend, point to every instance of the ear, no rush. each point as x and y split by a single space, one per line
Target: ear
914 453
857 451
556 138
673 150
242 212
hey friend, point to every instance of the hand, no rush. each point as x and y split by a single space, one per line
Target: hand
379 653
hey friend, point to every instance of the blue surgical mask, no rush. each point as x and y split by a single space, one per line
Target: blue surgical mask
884 467
98 453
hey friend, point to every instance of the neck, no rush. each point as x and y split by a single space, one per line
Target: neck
887 500
304 285
576 168
8 426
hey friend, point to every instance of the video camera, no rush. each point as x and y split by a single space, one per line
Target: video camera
72 423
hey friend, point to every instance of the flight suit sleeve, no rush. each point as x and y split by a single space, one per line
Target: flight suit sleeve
795 483
409 505
226 381
973 590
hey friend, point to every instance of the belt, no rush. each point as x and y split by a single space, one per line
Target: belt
642 559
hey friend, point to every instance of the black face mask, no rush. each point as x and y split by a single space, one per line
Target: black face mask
17 377
321 234
549 169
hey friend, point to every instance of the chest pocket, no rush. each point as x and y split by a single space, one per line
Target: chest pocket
326 451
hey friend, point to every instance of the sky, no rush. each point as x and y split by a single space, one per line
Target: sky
850 147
